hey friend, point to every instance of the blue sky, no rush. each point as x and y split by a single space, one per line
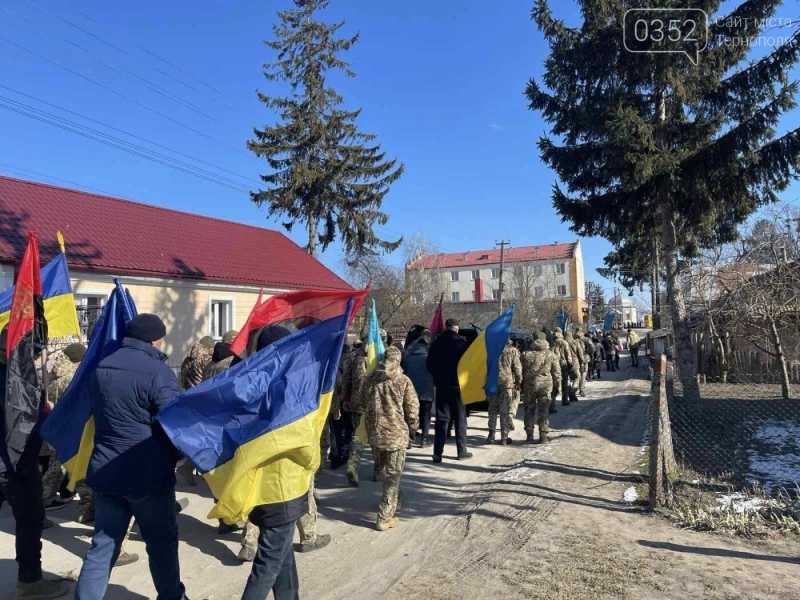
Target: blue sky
440 82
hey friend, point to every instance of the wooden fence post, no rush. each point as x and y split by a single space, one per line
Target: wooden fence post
662 457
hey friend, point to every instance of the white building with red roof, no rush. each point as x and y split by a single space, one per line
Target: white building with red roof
551 272
201 275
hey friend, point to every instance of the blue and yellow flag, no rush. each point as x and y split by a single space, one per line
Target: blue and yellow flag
253 431
375 353
70 426
479 367
59 302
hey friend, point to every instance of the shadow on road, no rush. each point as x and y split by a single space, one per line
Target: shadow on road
718 552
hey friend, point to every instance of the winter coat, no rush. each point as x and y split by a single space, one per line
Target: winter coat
509 373
566 357
391 407
128 389
588 348
194 365
609 347
577 349
633 340
353 378
415 370
541 373
443 359
221 360
60 377
599 352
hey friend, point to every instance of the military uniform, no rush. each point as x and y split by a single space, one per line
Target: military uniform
58 380
509 376
541 374
351 389
194 364
568 363
588 350
391 409
576 345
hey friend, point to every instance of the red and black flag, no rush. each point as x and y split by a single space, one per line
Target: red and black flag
26 337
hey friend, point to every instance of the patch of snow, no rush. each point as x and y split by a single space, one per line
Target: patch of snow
630 496
775 455
696 482
739 504
517 474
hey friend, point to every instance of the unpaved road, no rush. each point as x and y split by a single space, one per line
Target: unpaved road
513 522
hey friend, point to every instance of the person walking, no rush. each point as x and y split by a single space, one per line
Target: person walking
442 363
588 350
509 379
132 466
541 374
632 342
195 363
391 411
568 363
599 356
414 367
610 351
23 491
576 345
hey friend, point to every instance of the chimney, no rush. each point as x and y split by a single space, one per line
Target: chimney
479 290
465 255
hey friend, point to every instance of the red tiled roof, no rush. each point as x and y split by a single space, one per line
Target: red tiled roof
488 257
121 237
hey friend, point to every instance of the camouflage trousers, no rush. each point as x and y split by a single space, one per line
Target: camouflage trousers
356 448
515 399
584 371
500 405
390 463
324 446
537 401
307 524
250 536
53 477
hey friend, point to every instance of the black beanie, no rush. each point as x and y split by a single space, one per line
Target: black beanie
146 328
270 335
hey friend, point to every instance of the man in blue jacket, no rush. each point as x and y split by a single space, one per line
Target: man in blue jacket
132 468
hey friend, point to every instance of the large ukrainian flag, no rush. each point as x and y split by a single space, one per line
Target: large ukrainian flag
478 368
253 431
59 302
70 426
375 353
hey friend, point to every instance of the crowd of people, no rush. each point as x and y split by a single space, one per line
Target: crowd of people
132 472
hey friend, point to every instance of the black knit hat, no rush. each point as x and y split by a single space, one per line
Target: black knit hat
451 323
146 328
270 335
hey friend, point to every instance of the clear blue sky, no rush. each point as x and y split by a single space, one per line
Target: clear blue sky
440 82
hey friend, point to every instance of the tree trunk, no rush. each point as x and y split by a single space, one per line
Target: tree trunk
778 345
684 349
312 236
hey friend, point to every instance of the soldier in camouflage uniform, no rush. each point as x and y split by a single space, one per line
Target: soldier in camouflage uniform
577 347
568 363
509 377
588 350
541 374
222 356
58 380
391 409
195 363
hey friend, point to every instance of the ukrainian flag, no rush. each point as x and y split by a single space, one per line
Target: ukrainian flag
253 431
478 368
375 353
70 426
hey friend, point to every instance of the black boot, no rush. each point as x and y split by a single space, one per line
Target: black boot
529 439
490 438
552 410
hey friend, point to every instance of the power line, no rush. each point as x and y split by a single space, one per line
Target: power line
51 177
116 93
122 131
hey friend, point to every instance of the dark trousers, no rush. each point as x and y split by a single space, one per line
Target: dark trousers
157 520
23 491
635 357
342 433
425 411
274 567
616 361
611 362
449 406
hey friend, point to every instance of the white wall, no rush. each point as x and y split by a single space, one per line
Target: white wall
548 280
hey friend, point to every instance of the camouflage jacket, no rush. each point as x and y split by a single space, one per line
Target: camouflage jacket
588 348
578 350
194 365
352 380
60 377
215 368
566 357
510 372
541 373
390 407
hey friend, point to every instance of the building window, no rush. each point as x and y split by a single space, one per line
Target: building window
538 292
221 318
495 294
561 268
419 298
561 290
89 307
476 274
474 296
453 275
518 271
537 270
456 297
495 273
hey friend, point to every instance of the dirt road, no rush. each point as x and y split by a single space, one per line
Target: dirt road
513 522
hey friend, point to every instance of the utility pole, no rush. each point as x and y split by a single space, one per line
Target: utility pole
502 245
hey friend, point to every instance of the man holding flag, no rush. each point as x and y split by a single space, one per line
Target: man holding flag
22 399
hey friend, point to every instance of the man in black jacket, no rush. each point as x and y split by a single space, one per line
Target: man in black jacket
442 363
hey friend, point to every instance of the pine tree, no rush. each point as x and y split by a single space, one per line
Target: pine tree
325 173
651 143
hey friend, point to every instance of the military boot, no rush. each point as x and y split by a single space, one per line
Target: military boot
490 437
42 590
376 474
543 438
529 439
503 436
386 525
352 478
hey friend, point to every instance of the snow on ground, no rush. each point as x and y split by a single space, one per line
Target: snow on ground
630 496
740 504
775 454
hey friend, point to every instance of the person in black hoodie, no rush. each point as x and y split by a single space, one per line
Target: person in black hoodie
442 363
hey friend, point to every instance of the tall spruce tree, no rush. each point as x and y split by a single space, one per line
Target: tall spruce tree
325 173
650 142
